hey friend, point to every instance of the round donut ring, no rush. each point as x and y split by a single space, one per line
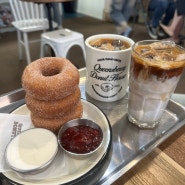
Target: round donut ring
55 124
51 109
50 78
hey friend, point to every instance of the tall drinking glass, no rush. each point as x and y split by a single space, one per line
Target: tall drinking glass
156 67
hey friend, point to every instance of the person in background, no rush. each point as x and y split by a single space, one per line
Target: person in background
121 11
159 11
57 17
176 26
56 14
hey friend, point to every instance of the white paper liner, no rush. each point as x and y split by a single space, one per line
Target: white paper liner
10 126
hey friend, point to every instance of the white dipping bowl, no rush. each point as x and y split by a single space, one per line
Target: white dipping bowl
32 151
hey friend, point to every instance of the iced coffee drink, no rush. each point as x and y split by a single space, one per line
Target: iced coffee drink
155 70
109 44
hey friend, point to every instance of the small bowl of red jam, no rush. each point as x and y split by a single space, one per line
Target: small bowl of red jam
80 138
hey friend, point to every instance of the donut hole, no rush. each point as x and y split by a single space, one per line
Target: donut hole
51 72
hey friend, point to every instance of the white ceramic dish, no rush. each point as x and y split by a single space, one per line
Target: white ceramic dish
33 151
77 168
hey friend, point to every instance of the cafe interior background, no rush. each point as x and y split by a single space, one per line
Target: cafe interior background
86 17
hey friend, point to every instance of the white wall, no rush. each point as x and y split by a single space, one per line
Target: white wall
92 8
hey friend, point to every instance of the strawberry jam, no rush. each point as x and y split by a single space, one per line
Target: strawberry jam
81 139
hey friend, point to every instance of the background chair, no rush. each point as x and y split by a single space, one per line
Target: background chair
61 41
29 17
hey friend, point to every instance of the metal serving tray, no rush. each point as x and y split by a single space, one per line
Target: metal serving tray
130 143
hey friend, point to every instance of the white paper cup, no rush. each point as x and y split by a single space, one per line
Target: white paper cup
107 71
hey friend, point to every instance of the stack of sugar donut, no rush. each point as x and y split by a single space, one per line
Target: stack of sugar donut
52 92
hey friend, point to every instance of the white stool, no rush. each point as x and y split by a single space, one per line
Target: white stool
61 41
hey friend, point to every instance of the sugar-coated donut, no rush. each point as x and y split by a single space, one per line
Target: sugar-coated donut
54 124
51 109
50 78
